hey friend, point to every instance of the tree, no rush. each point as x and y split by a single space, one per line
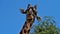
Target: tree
46 26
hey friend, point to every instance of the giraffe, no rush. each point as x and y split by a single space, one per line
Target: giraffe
30 18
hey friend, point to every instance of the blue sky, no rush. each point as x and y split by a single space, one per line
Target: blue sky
11 20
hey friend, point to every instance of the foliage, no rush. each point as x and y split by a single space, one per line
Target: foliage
46 26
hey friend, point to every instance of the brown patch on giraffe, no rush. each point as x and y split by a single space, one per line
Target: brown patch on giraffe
29 17
24 31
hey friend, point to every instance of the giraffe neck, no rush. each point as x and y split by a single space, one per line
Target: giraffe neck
27 25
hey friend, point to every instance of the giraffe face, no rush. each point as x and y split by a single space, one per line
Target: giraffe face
31 11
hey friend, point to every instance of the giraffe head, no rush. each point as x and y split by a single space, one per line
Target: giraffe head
31 10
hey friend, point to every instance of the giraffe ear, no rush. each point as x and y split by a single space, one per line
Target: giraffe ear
22 10
35 7
28 6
